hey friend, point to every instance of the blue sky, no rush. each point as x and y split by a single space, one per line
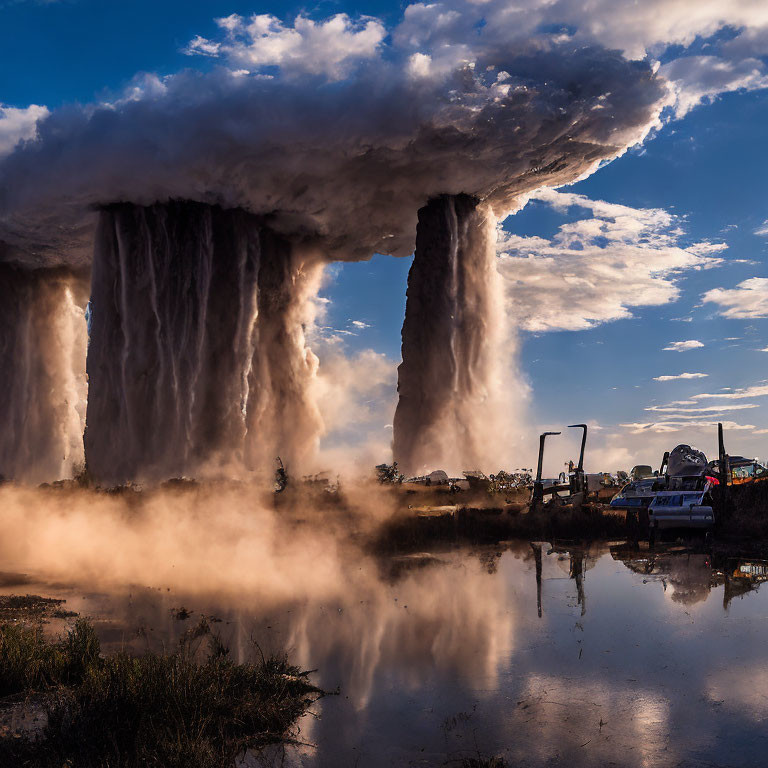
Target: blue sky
56 52
709 168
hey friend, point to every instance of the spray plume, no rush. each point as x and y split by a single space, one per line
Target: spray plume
451 380
42 355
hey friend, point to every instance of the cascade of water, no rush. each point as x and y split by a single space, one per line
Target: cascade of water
282 416
197 360
450 381
42 373
173 306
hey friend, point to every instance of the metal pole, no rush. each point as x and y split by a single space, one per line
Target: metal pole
578 481
538 487
583 443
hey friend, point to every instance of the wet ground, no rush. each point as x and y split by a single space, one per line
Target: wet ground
542 654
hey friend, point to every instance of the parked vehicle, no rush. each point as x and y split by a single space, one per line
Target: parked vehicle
742 470
641 472
686 473
682 509
637 494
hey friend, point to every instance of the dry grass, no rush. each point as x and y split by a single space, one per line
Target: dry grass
192 708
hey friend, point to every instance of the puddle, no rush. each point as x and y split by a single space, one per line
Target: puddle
543 655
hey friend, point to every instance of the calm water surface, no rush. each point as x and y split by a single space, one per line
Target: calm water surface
544 655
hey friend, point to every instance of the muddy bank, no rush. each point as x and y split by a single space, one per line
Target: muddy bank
408 530
743 514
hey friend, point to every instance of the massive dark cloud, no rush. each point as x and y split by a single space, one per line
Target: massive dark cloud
346 162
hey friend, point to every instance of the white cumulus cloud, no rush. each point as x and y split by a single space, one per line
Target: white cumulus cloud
759 390
704 409
326 47
596 269
676 376
681 426
682 346
748 300
17 124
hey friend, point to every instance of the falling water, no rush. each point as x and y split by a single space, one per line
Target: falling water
42 373
193 313
282 415
451 379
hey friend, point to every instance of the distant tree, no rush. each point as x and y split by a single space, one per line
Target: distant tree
388 474
503 481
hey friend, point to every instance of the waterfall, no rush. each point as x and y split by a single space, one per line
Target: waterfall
42 373
197 357
451 387
282 415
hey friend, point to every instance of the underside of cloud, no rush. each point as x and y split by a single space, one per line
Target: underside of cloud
340 129
325 160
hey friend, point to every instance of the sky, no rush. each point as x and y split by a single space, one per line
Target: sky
614 304
711 170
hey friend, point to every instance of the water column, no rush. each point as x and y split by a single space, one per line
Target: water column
42 373
450 380
282 416
174 301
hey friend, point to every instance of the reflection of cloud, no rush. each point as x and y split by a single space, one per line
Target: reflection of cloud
742 689
456 619
573 713
217 543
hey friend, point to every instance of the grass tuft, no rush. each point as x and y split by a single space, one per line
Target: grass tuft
191 708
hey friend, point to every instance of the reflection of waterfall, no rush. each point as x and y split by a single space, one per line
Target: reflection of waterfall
175 302
453 336
42 373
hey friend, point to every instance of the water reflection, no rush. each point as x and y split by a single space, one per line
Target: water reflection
690 574
543 653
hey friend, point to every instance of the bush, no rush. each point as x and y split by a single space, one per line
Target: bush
172 710
29 662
